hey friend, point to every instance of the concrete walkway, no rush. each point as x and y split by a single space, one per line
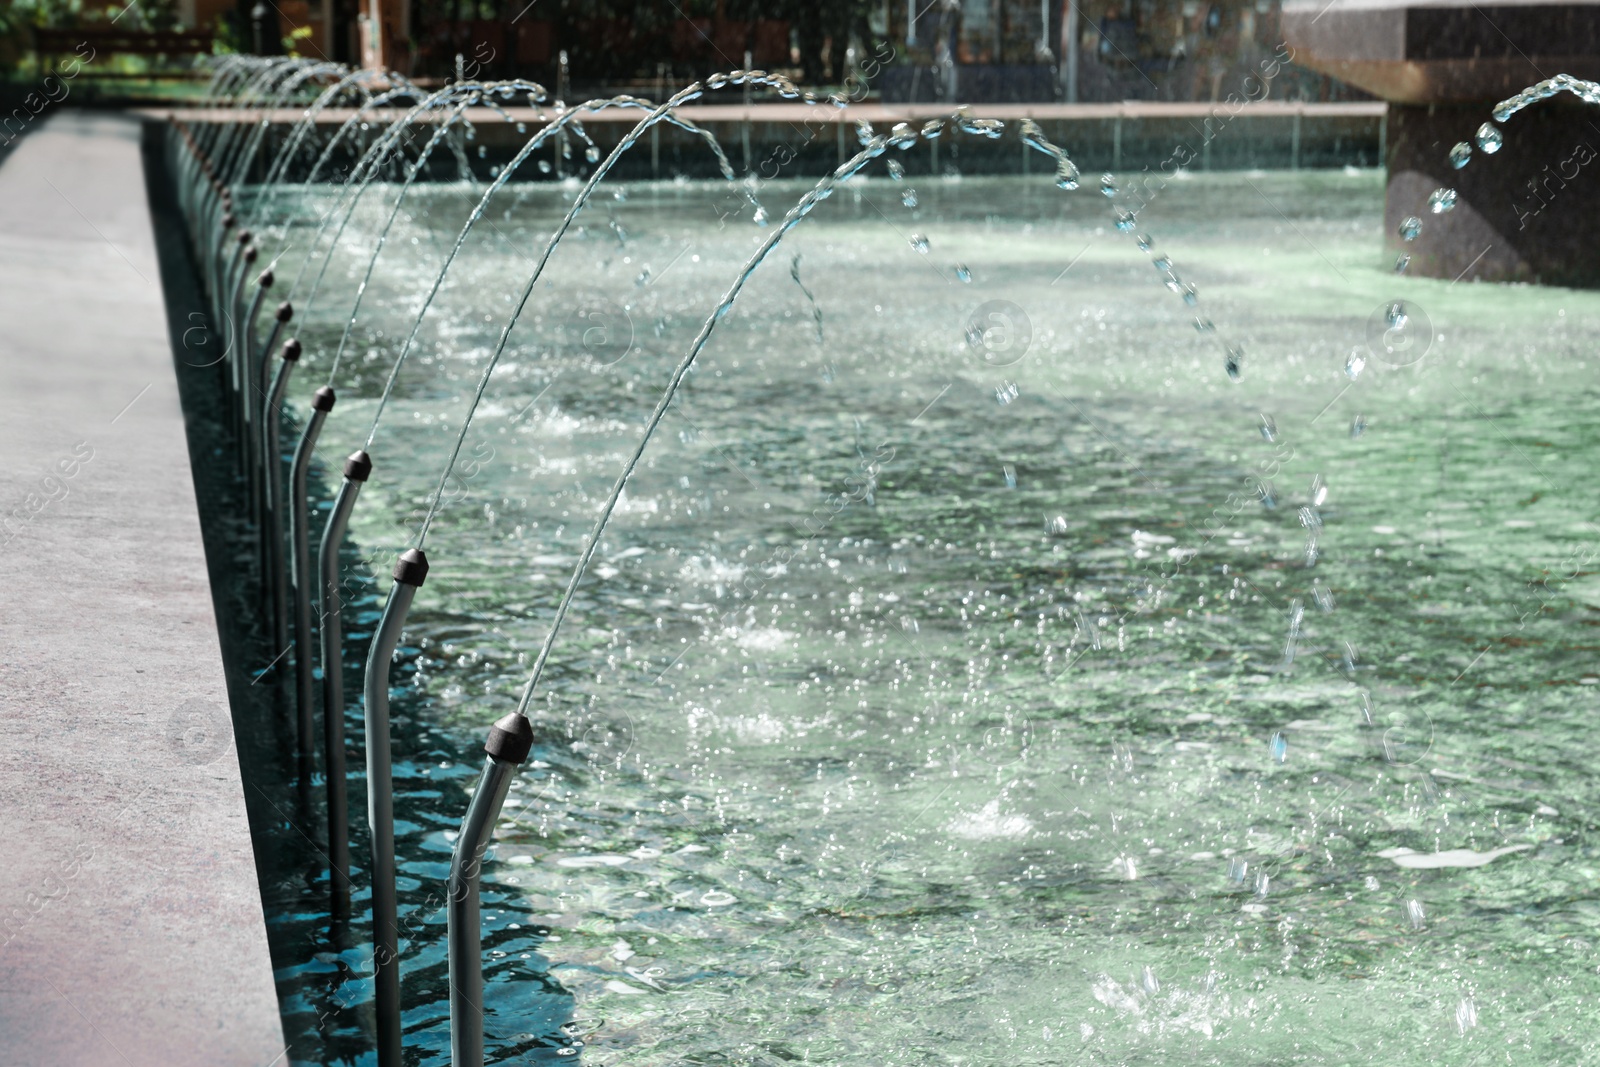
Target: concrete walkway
131 929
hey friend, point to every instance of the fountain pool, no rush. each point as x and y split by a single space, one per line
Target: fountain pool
949 695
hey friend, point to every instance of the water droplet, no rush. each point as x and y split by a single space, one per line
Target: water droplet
919 243
1238 869
483 151
544 166
1152 985
1441 201
1234 363
643 279
1011 475
839 100
1460 154
1319 491
1108 186
1190 295
1126 221
1297 614
932 129
1268 428
1466 1014
1396 315
1354 364
897 170
1067 175
592 154
909 198
1401 264
1006 392
962 273
1489 138
1280 748
1163 263
864 132
1410 228
1323 596
1358 426
1267 493
760 217
716 898
1416 914
522 127
1204 326
1144 241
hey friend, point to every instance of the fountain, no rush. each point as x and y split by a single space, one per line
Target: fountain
931 779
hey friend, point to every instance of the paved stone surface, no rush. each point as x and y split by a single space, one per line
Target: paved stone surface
131 928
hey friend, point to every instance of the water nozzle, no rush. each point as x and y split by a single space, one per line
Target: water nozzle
322 399
291 350
412 568
265 281
358 468
227 221
250 254
510 739
244 237
285 312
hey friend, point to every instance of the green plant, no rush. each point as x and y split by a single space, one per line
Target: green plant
290 43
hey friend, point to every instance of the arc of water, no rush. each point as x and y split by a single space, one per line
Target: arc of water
383 237
369 105
302 129
377 153
532 145
678 99
986 127
875 148
255 91
280 94
511 738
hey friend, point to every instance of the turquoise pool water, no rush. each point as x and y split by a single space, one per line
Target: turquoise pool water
939 698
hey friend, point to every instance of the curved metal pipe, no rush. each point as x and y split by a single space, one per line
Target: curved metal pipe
299 522
409 574
356 471
273 569
248 354
510 741
256 376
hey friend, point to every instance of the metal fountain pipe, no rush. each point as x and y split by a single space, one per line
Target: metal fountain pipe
237 277
248 333
356 471
281 319
263 283
256 377
299 505
227 312
272 527
510 741
213 259
409 574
